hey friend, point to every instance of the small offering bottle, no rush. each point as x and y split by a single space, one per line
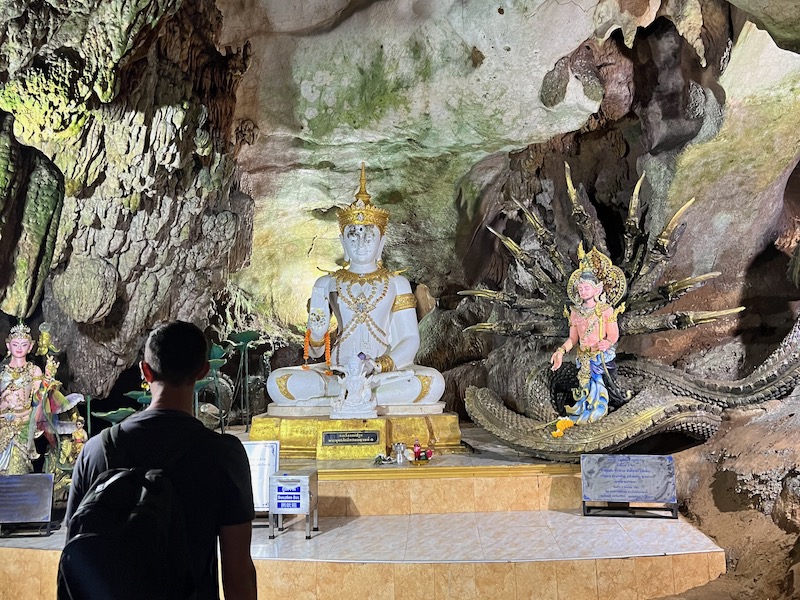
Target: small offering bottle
417 449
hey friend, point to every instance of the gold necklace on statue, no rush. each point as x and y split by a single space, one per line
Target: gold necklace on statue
343 275
362 305
21 377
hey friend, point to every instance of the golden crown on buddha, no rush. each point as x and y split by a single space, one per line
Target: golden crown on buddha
362 211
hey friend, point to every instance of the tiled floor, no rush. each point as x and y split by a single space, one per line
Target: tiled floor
459 537
480 537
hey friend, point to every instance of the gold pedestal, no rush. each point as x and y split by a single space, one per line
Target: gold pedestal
338 439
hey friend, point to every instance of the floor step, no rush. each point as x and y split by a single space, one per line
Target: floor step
439 488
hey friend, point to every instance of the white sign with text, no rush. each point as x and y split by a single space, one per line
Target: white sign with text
263 457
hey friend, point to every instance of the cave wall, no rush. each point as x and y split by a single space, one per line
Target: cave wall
131 104
738 177
150 149
439 100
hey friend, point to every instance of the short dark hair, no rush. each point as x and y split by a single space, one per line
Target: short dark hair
176 352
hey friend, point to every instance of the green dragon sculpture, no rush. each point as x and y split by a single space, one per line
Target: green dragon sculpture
661 398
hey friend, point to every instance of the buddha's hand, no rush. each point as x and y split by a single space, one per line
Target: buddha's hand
319 315
318 322
384 364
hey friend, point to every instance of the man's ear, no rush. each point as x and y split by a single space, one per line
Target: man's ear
147 372
344 248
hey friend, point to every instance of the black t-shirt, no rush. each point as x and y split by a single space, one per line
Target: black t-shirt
210 474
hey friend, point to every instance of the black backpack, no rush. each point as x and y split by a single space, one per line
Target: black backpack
126 539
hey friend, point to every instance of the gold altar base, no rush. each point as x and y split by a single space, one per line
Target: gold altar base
323 438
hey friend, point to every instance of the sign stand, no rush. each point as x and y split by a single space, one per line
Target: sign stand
27 499
628 485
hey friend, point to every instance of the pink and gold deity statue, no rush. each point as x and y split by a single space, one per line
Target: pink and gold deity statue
595 289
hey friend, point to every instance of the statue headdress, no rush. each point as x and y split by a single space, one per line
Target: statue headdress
600 265
20 331
362 211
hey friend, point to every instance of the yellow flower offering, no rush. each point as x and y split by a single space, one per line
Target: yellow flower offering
563 424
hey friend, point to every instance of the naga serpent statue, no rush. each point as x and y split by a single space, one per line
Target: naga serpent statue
650 397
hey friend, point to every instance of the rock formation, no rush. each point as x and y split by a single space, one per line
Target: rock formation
134 135
118 172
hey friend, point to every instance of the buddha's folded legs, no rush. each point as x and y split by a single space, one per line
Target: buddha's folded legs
415 385
295 386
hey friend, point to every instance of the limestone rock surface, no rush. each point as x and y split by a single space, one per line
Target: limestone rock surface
169 143
741 489
87 289
131 106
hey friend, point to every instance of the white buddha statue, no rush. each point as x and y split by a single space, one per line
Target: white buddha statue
376 321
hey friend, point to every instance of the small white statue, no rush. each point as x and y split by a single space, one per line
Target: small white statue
376 316
355 398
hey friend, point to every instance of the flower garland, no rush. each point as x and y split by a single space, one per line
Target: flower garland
328 353
306 345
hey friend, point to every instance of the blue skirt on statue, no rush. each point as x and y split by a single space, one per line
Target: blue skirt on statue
591 398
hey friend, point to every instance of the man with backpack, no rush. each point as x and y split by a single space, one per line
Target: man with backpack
159 490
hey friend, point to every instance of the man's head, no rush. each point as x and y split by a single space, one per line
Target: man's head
176 354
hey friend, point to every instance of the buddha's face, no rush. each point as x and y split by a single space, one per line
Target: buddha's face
362 243
18 347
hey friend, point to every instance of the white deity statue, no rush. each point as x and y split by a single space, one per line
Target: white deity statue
355 400
376 318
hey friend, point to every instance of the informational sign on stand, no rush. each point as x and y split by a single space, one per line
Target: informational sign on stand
628 483
26 499
264 461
